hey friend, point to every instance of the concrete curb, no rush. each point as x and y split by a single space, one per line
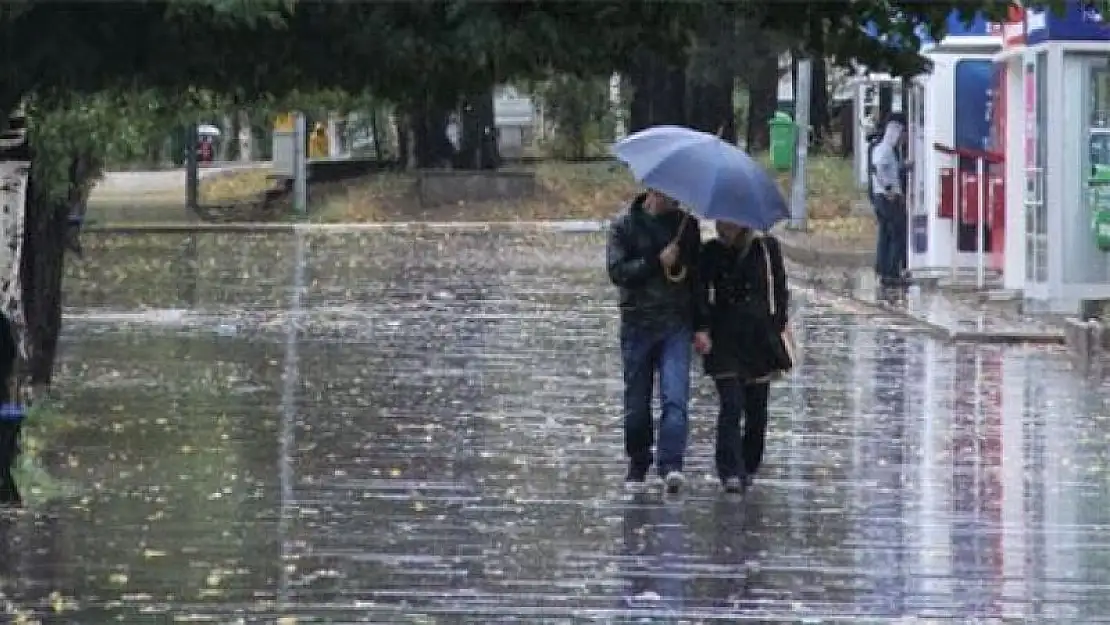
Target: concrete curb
798 252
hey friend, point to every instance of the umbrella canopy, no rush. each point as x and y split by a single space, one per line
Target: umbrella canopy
714 179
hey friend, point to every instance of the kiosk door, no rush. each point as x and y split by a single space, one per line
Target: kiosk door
1036 216
916 155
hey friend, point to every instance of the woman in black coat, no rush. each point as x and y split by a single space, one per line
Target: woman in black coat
746 278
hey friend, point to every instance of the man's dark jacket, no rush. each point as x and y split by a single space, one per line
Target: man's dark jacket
647 297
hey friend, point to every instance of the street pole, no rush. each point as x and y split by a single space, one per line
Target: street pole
801 119
192 170
300 165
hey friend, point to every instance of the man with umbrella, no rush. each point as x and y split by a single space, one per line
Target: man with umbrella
653 257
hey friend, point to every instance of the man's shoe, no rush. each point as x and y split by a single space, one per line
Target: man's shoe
734 485
635 481
674 481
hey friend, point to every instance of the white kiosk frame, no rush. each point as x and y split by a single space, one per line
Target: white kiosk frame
930 103
865 97
1051 253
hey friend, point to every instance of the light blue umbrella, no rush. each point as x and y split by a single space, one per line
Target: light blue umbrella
714 179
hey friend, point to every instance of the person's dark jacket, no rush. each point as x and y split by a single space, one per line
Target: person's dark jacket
742 326
647 297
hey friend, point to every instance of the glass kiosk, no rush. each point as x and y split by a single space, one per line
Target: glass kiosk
950 117
1066 151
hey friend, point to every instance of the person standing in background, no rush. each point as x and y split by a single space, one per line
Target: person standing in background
888 199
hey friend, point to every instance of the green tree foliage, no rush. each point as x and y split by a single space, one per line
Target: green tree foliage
580 110
97 77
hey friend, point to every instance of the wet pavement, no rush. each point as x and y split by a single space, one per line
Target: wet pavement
963 316
424 429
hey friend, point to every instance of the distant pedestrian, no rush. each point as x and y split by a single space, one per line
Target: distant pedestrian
888 198
652 256
749 310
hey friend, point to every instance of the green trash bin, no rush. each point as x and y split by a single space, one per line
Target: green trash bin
783 136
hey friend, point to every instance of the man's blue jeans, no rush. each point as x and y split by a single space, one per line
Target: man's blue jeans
892 244
881 245
644 353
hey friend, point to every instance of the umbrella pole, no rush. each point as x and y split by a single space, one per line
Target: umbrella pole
679 275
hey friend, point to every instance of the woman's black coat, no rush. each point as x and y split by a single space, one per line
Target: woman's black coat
741 325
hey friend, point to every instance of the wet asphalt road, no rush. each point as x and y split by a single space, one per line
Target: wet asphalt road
427 431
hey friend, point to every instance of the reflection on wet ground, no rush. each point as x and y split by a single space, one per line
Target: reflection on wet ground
956 312
427 432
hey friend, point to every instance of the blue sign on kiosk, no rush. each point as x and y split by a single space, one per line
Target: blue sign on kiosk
1080 21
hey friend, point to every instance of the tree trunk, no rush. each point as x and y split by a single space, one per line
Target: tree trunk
640 79
376 136
762 102
819 104
794 83
428 126
848 118
670 98
711 80
711 110
48 225
478 144
886 105
406 155
658 93
245 136
223 154
819 119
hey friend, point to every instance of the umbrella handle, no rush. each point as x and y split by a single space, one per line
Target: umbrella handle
681 228
679 275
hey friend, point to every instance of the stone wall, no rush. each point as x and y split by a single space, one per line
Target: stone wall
444 188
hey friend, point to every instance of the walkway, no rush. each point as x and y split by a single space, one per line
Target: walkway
427 432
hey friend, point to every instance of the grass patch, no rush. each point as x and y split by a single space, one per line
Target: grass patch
565 191
234 186
831 190
46 419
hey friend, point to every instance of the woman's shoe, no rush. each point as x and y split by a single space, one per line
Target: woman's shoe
734 484
673 482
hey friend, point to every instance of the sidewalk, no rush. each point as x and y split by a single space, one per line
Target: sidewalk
843 265
833 262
